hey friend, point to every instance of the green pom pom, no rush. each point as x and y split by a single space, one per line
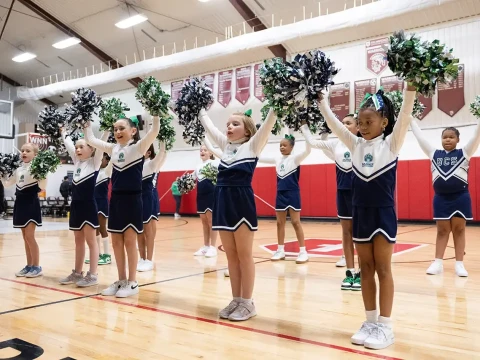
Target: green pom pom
210 172
167 131
475 107
45 162
110 111
277 128
423 64
396 97
152 97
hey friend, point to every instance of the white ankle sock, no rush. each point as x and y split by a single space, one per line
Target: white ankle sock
440 261
248 301
303 249
281 248
458 262
105 245
98 243
237 299
352 271
372 316
385 321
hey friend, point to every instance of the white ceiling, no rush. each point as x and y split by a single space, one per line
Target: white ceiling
170 22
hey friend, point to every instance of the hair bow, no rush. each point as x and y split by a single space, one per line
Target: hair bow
376 98
289 137
248 113
134 120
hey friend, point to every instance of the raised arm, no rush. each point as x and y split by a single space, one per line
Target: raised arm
397 137
344 135
426 147
159 160
151 135
260 139
303 155
208 144
322 144
472 145
108 168
97 158
97 143
217 136
42 184
267 159
68 144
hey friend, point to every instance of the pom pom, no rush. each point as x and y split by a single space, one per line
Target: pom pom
44 163
8 164
194 96
424 64
110 111
475 107
85 103
396 97
185 183
111 139
210 172
152 97
75 135
167 131
50 120
277 128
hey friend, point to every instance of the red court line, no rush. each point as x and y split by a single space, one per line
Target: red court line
216 322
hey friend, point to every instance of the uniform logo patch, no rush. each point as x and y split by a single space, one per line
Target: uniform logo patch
78 172
121 157
346 157
22 178
368 160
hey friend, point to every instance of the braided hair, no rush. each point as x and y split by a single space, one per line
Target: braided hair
387 111
451 128
290 139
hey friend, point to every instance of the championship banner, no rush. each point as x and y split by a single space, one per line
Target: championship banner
376 51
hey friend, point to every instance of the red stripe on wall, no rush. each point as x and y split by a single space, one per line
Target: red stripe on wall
318 190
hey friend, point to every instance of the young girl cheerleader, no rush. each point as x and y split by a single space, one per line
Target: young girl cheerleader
83 209
205 194
338 152
452 205
27 214
234 212
101 198
288 194
125 211
146 240
374 163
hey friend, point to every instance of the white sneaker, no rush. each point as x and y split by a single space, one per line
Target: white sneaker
140 264
202 251
342 262
459 270
279 255
112 289
127 289
177 216
302 257
435 268
243 311
380 338
363 334
211 252
226 273
146 266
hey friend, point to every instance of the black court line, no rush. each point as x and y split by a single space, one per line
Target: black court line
98 294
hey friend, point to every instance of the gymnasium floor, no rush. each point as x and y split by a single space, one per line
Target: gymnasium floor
302 313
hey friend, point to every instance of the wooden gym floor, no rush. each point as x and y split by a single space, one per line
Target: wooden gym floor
302 313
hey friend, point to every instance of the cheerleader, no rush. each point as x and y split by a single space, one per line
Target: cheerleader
288 194
452 205
205 193
83 219
27 214
146 240
234 212
101 198
374 163
125 211
338 152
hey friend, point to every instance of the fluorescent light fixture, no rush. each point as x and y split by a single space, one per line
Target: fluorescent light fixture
66 43
131 21
24 57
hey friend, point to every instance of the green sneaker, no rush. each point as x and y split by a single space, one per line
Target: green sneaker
347 283
357 283
101 260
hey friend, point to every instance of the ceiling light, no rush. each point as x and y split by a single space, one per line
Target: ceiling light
131 21
204 0
24 57
66 43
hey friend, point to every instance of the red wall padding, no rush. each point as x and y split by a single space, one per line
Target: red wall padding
318 189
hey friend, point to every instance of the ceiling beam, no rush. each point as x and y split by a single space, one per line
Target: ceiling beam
14 83
69 31
257 25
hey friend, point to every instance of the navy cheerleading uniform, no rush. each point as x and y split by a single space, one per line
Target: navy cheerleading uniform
27 206
156 200
288 176
126 207
83 209
335 150
374 164
205 188
101 189
234 201
150 169
450 177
